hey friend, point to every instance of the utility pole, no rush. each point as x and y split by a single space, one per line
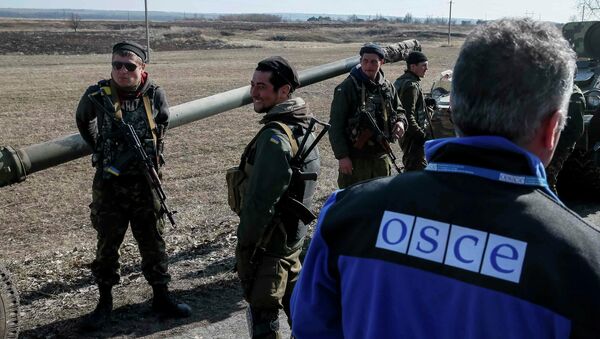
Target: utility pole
147 32
449 22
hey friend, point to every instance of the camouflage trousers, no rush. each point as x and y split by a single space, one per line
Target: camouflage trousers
365 169
116 203
413 154
553 169
268 284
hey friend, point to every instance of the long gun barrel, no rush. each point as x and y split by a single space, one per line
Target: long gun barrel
16 164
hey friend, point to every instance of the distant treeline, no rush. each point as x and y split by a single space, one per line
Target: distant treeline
251 17
88 14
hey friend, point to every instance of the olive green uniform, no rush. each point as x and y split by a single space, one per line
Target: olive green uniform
419 130
120 200
381 100
270 236
568 137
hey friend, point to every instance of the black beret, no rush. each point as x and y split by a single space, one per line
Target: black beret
415 57
133 47
280 67
372 48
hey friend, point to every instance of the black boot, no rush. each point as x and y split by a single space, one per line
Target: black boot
166 306
264 323
101 315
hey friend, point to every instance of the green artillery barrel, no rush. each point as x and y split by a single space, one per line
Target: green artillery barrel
16 164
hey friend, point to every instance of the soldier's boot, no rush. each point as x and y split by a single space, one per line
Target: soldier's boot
101 314
263 323
163 303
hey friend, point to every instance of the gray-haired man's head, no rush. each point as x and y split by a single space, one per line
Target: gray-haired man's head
511 75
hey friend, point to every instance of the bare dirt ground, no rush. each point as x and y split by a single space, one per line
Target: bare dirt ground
46 239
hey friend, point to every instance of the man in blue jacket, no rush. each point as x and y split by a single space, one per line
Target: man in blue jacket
481 247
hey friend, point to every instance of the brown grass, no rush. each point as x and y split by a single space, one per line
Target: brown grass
46 238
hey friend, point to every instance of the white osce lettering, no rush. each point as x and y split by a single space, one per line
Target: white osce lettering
461 247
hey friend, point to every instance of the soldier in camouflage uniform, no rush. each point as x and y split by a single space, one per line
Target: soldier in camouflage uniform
417 113
360 156
568 137
271 233
121 194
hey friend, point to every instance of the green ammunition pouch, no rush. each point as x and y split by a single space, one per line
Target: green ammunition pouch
236 176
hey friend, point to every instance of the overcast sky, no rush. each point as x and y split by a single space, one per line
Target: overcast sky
551 10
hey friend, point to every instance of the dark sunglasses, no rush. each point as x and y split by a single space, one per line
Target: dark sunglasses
128 66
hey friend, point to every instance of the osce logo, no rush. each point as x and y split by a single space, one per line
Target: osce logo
473 250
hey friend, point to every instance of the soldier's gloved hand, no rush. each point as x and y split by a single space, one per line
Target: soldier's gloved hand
345 165
398 130
417 135
430 102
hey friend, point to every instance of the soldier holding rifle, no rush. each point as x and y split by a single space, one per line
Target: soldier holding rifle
124 120
362 148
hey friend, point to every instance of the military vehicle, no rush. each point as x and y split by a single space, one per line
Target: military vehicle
580 175
17 164
441 120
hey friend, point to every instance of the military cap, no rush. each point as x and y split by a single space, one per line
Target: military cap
415 57
281 68
372 48
133 47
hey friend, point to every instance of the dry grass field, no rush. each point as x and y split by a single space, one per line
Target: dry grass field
46 239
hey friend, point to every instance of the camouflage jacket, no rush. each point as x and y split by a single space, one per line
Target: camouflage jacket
266 162
95 121
344 116
409 90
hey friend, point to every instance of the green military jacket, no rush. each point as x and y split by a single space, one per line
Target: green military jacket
347 99
268 175
409 90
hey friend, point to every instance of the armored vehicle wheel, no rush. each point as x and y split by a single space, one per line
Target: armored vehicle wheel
579 177
9 307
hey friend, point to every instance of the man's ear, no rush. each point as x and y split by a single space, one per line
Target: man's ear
284 91
551 130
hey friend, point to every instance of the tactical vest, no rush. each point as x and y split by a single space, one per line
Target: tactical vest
292 212
112 152
378 104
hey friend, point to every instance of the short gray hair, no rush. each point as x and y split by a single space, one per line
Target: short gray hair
510 75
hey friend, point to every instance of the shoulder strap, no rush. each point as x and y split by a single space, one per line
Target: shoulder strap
289 134
108 89
281 125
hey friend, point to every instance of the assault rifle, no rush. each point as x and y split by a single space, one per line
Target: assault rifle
135 146
374 130
289 202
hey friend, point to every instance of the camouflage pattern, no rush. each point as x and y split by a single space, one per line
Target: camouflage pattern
584 37
117 202
126 199
419 128
568 137
365 169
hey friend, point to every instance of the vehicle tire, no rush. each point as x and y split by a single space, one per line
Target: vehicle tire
579 177
9 307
